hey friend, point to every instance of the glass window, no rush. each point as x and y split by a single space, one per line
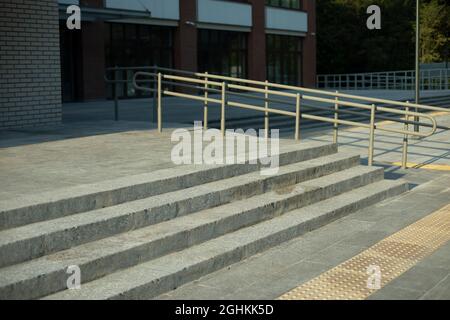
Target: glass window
284 59
289 4
131 45
222 52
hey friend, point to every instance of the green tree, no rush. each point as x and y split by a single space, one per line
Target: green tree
346 45
435 31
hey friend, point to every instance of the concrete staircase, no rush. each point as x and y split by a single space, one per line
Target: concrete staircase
138 237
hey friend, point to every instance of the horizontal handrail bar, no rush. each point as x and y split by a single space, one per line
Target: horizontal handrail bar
249 96
188 96
252 107
339 102
289 87
271 92
268 90
333 121
380 72
212 83
334 94
288 113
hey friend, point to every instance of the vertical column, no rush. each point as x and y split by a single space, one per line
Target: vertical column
93 55
257 42
186 37
309 45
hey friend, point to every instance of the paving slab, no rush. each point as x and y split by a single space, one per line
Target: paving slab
440 292
323 249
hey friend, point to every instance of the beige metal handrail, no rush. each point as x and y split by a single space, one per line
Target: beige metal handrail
209 81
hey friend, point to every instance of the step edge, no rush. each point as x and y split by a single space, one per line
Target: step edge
43 204
395 189
45 229
242 225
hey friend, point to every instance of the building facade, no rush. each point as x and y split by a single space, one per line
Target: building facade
43 63
256 39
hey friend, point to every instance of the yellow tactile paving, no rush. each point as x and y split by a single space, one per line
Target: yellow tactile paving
393 256
437 167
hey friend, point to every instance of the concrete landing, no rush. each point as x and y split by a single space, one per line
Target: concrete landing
38 160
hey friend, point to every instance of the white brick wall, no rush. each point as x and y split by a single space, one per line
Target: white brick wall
30 80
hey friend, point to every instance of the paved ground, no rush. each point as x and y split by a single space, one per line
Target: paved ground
433 150
275 272
33 161
43 160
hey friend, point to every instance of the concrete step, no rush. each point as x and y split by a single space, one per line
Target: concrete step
61 203
155 277
39 239
96 259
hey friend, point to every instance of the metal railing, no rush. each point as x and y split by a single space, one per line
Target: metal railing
201 86
431 79
117 80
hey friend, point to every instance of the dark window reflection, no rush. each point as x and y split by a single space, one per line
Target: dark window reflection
284 59
222 52
130 45
289 4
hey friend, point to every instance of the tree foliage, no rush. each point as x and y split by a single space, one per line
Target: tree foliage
346 45
435 31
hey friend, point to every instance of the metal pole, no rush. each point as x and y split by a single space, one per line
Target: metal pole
205 104
416 126
266 114
159 102
405 141
116 102
155 99
297 117
336 118
223 106
372 134
116 97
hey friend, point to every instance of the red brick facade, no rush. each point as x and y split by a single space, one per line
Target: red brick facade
92 86
257 42
309 45
186 37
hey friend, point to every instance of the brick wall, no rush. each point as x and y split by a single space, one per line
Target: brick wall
309 46
30 84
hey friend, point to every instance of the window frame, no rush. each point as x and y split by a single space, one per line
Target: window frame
279 4
284 59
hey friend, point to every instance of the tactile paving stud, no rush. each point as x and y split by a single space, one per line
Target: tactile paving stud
393 256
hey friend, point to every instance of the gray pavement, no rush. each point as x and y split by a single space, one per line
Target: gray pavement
40 160
279 270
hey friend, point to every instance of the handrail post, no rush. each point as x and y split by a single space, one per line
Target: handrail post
372 135
159 101
297 116
336 118
205 104
266 114
116 97
405 140
155 99
223 106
